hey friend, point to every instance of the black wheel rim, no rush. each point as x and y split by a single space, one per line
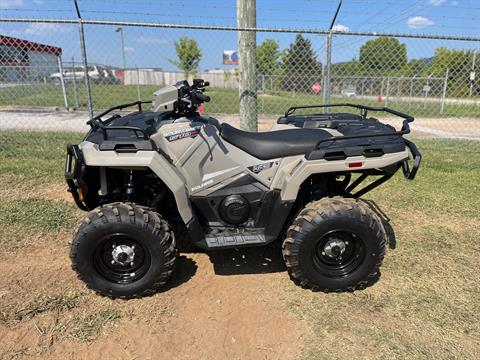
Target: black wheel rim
338 253
110 267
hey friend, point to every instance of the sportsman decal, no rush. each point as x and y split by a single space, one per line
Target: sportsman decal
190 132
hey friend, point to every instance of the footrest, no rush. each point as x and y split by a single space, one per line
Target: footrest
237 240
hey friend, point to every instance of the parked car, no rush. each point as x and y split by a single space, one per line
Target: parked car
96 73
349 91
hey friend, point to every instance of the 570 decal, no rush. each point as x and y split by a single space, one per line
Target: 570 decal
256 169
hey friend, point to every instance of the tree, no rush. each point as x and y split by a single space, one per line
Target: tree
459 65
383 56
457 61
347 68
300 67
417 68
189 55
267 57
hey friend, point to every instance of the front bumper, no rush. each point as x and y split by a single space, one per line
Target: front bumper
75 169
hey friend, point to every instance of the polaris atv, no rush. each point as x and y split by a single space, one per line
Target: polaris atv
151 177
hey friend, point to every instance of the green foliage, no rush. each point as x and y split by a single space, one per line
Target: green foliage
348 68
300 67
384 56
456 61
416 68
268 57
189 55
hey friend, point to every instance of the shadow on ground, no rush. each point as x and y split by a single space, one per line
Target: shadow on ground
254 260
185 269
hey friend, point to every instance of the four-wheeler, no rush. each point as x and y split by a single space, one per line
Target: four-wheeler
150 177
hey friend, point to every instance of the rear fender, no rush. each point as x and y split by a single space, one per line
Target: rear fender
294 171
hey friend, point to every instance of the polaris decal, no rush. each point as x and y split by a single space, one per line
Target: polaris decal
190 132
256 169
202 185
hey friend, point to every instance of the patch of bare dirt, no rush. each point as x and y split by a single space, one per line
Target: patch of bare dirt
217 306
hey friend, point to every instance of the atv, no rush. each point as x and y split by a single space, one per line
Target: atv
152 178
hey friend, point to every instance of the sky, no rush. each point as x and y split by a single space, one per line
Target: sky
154 47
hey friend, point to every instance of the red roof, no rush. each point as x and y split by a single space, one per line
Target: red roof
25 44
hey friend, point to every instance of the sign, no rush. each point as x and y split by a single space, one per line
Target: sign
230 57
316 88
427 88
472 76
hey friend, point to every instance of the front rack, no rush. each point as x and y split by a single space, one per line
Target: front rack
96 122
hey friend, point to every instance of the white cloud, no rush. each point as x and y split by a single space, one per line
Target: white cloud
8 4
150 40
417 22
341 28
129 49
436 2
455 3
46 29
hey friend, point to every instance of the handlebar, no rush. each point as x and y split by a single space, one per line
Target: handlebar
201 97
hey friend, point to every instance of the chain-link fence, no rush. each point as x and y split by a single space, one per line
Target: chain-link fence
43 83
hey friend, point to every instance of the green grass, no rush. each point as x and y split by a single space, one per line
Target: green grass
46 215
424 306
223 101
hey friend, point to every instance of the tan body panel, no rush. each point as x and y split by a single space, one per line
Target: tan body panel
143 159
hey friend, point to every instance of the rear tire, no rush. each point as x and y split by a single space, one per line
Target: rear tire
123 250
335 244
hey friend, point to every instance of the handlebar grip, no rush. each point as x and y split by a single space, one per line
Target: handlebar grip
202 98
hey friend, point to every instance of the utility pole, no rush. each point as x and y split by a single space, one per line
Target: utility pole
247 44
120 30
328 59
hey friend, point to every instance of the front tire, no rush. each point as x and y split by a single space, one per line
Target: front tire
335 244
123 250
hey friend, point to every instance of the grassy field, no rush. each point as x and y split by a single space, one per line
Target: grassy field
424 306
224 101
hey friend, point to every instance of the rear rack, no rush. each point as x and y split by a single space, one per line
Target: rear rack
96 122
408 172
364 113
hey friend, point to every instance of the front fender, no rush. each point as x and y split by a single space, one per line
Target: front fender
153 160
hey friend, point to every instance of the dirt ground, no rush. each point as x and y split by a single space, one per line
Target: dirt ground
216 307
199 316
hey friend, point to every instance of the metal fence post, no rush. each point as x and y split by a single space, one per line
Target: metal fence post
84 59
387 91
444 92
138 83
85 68
62 81
74 80
326 70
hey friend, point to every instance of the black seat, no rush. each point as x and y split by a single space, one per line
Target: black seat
274 144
